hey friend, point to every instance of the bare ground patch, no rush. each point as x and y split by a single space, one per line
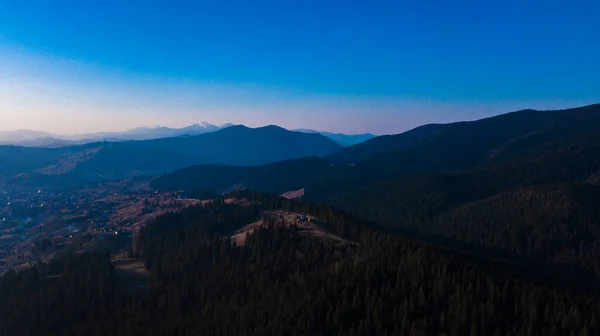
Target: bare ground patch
293 194
307 225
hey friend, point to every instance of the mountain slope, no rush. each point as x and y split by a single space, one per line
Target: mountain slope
274 178
538 208
477 141
241 145
385 144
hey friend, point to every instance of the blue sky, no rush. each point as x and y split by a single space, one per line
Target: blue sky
351 66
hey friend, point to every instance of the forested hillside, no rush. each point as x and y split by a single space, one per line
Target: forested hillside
538 208
274 178
281 283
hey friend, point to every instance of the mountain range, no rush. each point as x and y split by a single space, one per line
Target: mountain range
28 138
430 148
320 165
233 145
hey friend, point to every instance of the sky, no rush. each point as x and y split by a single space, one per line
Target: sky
344 66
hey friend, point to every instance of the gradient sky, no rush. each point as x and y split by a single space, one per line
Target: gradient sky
343 66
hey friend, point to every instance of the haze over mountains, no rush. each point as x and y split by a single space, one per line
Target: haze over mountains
45 139
28 138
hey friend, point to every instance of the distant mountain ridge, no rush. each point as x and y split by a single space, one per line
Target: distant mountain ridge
233 145
341 138
22 135
45 139
29 138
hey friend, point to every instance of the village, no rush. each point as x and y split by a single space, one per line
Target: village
37 224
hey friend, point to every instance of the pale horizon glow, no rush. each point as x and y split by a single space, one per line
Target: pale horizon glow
63 97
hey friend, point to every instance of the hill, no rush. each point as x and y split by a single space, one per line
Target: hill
244 146
274 178
536 207
288 279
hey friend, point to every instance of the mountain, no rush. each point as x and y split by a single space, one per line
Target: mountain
244 146
235 145
485 139
7 137
386 144
28 138
342 139
48 142
539 208
147 133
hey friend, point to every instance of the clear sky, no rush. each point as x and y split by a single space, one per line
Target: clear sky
347 66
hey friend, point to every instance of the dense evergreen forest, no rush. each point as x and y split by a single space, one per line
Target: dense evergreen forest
282 283
540 207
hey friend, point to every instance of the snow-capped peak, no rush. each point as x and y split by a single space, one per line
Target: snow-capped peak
204 125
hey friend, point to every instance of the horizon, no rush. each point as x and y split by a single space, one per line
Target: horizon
231 124
378 68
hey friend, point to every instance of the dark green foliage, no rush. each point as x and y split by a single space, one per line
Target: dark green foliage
276 178
527 209
280 283
59 298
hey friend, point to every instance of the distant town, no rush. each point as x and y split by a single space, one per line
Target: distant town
38 224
